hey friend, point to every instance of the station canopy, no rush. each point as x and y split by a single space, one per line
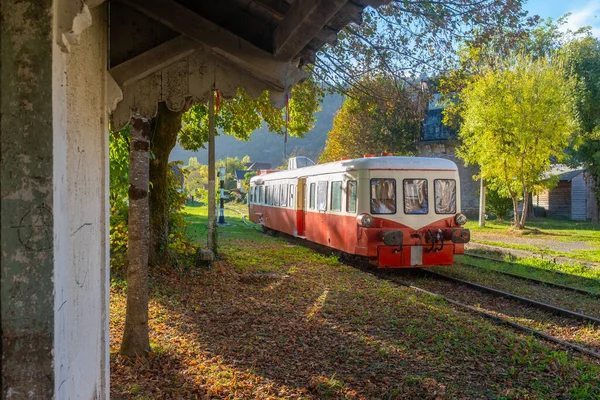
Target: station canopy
171 50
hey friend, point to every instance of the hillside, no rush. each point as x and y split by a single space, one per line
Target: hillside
265 146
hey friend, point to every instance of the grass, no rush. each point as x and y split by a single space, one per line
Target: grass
547 230
573 275
275 320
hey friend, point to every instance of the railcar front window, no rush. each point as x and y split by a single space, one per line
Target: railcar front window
415 196
336 196
445 196
322 196
383 196
312 197
351 197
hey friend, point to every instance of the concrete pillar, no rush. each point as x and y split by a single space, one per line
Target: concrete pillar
54 210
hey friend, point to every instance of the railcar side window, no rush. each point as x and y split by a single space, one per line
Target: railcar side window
445 196
383 196
336 196
322 196
416 200
267 198
351 197
292 196
312 197
284 195
259 200
276 195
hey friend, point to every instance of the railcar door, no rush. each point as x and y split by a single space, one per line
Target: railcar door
300 204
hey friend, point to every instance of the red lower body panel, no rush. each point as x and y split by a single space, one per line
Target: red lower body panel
342 232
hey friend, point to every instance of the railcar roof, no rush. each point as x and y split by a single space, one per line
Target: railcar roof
381 163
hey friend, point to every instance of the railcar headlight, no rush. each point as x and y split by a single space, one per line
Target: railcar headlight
365 220
460 219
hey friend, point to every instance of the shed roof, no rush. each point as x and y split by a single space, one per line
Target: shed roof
240 174
569 175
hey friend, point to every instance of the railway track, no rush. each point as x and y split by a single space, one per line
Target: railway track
530 302
392 276
526 278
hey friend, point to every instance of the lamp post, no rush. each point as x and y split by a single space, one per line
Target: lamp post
222 202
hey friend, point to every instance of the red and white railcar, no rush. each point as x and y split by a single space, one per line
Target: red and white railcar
396 211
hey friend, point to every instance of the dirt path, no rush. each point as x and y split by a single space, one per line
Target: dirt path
529 254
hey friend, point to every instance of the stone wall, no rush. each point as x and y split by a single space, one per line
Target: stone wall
469 188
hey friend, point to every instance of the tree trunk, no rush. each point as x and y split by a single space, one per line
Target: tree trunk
515 211
524 211
165 127
530 211
135 336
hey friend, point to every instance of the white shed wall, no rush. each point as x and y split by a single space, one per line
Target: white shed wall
578 198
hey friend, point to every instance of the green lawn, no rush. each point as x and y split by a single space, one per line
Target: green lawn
543 231
276 320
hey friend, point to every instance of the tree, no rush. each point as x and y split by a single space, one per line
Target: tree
242 115
404 39
135 335
365 124
516 119
165 127
583 62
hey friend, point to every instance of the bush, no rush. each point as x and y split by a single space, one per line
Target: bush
498 204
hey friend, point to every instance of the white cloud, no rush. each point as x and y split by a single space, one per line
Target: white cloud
584 16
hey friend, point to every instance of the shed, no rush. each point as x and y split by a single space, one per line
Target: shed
239 178
568 199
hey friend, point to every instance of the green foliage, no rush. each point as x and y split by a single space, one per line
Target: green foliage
582 58
498 203
242 115
515 120
537 39
119 208
180 247
365 124
247 177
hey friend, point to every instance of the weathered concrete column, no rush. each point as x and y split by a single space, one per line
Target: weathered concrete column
54 200
27 178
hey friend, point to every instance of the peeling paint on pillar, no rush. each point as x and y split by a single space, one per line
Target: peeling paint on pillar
26 172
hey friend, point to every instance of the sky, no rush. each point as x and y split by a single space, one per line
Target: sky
583 12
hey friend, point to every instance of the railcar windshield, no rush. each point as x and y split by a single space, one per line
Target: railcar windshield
445 196
415 196
383 196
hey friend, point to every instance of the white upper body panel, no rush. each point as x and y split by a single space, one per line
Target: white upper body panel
369 163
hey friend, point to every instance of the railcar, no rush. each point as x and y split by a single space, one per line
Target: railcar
398 212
